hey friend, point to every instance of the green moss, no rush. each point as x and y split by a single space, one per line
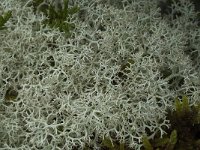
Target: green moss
4 18
184 131
107 143
167 143
36 3
57 18
146 143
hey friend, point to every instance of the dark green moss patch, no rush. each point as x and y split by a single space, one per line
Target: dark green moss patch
184 131
4 18
56 18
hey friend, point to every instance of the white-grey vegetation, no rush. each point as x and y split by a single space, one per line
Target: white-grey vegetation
116 75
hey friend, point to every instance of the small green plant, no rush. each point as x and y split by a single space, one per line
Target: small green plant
10 95
57 18
184 131
186 121
112 145
166 143
109 144
4 18
35 4
121 76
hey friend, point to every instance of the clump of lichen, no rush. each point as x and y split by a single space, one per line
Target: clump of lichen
184 130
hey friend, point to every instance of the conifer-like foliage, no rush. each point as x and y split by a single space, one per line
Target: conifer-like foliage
167 143
110 144
4 18
57 18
